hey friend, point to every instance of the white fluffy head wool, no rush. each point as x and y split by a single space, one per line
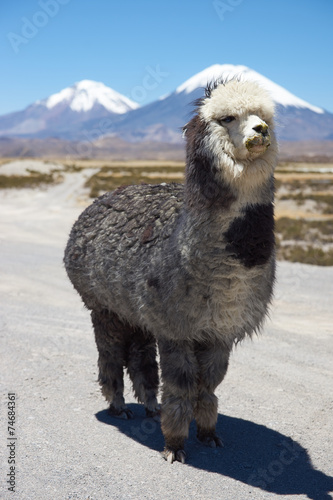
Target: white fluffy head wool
239 119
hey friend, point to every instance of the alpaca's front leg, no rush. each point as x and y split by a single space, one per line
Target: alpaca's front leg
179 374
213 364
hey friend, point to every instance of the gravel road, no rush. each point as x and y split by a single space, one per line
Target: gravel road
275 405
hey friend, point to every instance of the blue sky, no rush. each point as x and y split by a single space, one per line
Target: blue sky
47 45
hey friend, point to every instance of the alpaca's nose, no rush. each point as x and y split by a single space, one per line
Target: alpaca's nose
262 128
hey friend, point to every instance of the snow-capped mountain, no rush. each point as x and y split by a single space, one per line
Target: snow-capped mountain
280 95
84 95
296 119
89 109
65 113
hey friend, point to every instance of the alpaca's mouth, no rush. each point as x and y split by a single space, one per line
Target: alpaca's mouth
258 143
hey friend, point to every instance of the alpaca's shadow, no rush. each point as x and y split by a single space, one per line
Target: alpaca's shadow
253 454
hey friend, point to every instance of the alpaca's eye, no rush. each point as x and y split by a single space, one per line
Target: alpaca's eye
227 119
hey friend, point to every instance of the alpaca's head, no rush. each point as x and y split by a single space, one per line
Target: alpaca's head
239 116
234 129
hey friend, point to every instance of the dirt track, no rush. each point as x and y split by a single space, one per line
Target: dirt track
275 406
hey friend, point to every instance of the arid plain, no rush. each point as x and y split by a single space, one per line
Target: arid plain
275 404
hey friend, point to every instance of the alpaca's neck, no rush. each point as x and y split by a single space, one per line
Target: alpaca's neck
220 219
207 190
203 191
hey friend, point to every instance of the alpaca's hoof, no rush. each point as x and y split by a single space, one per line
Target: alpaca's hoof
123 413
155 414
126 414
211 440
174 455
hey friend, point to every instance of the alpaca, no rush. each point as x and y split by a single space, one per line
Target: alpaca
187 267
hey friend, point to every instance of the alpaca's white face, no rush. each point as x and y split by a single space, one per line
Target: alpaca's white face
239 117
249 134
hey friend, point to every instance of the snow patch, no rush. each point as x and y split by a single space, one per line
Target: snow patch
86 94
279 94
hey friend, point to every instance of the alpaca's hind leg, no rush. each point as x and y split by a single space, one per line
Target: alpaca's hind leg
213 365
110 335
179 374
143 370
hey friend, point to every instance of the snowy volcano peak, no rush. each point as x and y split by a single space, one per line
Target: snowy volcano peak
279 94
209 74
86 94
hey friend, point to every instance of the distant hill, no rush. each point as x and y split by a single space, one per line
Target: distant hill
115 148
108 147
66 114
90 110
